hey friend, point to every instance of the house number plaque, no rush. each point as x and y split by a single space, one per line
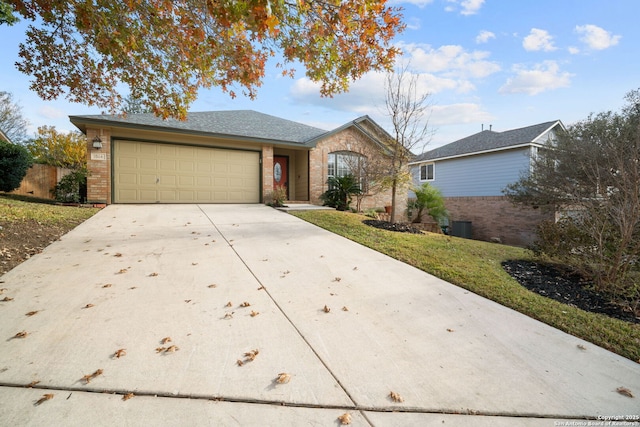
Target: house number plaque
98 156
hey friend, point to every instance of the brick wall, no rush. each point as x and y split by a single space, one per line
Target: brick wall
99 179
347 140
496 217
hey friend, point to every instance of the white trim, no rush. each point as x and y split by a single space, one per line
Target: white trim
426 164
475 153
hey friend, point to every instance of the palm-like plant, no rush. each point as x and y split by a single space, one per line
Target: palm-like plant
341 191
429 199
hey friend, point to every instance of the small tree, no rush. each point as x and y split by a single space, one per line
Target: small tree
592 175
408 110
12 123
341 191
14 163
65 150
369 166
428 200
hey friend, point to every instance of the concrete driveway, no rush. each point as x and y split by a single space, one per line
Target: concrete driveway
187 291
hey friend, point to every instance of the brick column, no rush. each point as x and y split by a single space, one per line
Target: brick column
267 170
99 166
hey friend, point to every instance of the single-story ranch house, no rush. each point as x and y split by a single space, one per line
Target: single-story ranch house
219 157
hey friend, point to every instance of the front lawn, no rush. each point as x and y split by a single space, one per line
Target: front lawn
476 266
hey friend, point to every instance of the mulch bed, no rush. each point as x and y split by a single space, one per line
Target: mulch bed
385 225
565 287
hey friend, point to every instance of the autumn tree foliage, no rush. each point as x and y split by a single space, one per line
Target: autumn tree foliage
164 51
66 150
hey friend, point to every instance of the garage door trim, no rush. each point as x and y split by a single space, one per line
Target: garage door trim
120 139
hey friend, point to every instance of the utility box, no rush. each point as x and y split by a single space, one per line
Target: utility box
461 229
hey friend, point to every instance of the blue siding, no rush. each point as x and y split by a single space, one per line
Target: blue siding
479 175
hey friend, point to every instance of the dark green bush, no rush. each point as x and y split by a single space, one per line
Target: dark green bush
15 160
68 189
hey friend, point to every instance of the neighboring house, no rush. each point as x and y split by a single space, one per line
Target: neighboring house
218 157
473 171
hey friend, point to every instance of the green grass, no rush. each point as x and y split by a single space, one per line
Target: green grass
476 266
18 209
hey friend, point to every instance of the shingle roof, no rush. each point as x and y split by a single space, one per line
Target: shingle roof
487 141
238 123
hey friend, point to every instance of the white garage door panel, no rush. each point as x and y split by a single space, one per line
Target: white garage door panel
162 173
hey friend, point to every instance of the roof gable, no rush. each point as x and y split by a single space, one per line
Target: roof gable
4 137
234 123
488 140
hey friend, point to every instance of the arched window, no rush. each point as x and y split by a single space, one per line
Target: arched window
341 163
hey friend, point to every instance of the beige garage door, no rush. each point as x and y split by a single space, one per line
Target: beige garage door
166 173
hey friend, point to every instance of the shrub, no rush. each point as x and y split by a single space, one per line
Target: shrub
341 191
428 200
15 160
277 197
68 189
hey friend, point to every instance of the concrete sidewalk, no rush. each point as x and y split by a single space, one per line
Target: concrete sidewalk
225 280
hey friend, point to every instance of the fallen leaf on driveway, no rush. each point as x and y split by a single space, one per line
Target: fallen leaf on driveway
6 299
345 419
108 285
395 397
254 313
31 313
345 308
165 340
119 353
251 355
32 383
88 306
154 274
87 378
127 396
172 349
624 391
245 304
326 309
212 286
228 304
22 334
283 378
44 398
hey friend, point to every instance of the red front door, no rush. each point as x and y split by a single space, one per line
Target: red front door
281 172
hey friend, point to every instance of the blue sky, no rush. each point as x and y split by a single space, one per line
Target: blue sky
505 63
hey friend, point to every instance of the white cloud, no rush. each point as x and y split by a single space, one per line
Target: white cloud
538 40
453 61
573 50
443 115
542 77
413 23
597 38
366 95
469 7
49 112
484 36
